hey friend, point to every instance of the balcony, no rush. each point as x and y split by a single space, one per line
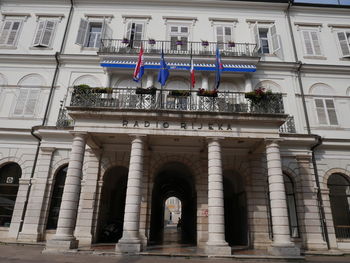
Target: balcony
120 46
170 100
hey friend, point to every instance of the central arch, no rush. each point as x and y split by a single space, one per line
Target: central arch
174 180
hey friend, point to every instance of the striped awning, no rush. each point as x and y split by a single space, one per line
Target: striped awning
179 66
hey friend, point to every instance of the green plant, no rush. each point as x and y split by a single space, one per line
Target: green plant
208 93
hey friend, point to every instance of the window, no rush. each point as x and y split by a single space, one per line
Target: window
56 198
44 33
26 102
9 181
223 36
344 43
291 206
135 32
179 36
326 111
91 33
339 195
312 44
9 33
267 40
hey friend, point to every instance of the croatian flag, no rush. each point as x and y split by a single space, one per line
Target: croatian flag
140 67
193 78
219 67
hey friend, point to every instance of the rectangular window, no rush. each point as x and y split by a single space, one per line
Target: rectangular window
26 102
91 33
312 45
9 32
344 43
267 40
223 36
135 32
326 113
44 33
179 36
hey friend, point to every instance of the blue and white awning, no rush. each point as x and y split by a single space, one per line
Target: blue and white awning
179 66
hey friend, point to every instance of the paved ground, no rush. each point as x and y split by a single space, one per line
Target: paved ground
31 254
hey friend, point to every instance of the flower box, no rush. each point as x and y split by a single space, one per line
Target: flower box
125 41
207 93
151 90
179 42
205 43
151 41
231 44
265 101
180 93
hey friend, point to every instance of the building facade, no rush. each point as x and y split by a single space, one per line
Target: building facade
88 156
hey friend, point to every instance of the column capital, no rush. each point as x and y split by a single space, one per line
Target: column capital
81 134
214 139
303 158
269 141
138 136
47 150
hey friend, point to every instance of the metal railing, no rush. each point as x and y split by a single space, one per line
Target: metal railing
63 119
288 126
342 232
121 46
130 98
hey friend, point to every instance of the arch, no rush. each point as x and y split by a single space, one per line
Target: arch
56 197
321 89
125 83
90 80
174 179
269 85
230 86
334 171
290 189
32 80
339 197
177 84
10 174
112 204
3 80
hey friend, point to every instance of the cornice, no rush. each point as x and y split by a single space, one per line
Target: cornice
27 59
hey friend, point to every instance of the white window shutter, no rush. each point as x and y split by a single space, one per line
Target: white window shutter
5 32
31 102
48 33
344 44
107 31
307 42
321 113
139 31
256 36
274 39
39 33
12 38
333 120
128 30
21 101
316 43
83 28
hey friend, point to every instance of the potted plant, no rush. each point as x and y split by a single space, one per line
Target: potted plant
205 43
125 41
151 41
180 93
231 44
179 42
102 90
263 100
207 93
150 90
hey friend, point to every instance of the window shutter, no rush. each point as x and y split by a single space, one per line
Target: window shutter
128 30
307 42
316 43
321 113
228 34
184 41
138 35
13 33
48 33
274 39
39 33
331 112
344 44
5 32
21 101
31 102
173 45
256 36
83 27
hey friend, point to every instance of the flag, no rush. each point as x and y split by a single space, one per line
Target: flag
193 78
163 71
219 67
140 67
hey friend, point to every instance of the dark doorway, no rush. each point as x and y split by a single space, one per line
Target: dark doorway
236 230
112 205
174 180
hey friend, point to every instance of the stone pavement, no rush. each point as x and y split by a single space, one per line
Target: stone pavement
31 254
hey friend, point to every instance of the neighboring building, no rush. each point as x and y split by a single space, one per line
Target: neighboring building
272 175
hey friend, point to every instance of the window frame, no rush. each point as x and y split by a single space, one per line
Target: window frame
224 43
53 33
18 32
25 103
346 32
127 35
305 51
274 39
326 111
179 35
293 196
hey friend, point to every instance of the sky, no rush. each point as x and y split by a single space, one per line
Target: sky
342 2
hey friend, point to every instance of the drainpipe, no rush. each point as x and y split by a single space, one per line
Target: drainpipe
53 84
319 139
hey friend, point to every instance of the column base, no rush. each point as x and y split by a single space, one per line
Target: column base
61 245
284 250
29 237
218 249
129 246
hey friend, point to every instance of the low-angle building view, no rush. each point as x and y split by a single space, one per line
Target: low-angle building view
209 127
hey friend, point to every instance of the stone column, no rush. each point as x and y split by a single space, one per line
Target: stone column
64 238
205 82
149 82
248 83
216 219
32 230
131 241
282 244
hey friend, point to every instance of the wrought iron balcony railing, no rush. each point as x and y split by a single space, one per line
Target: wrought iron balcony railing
342 232
120 46
288 126
192 101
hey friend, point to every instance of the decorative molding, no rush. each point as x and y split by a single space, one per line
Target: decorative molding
108 17
40 15
333 26
6 14
213 20
308 24
181 18
259 21
144 17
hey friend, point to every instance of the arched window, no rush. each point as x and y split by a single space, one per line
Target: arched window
339 195
291 206
56 198
9 180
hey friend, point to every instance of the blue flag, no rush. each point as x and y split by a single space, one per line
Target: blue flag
219 67
163 71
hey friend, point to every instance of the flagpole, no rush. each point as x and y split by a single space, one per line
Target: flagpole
161 85
190 78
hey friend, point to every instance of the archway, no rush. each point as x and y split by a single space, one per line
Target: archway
172 220
174 180
112 205
236 224
9 182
